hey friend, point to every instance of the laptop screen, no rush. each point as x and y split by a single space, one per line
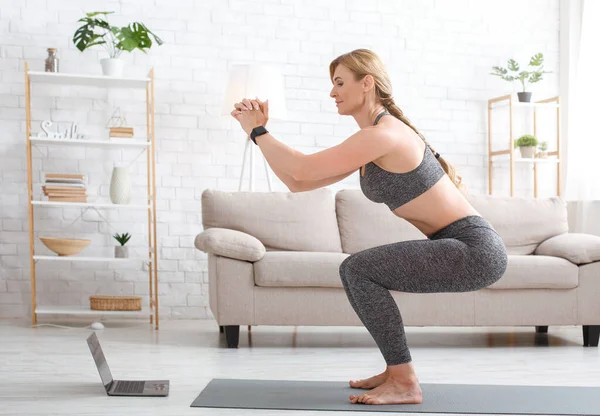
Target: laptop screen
99 359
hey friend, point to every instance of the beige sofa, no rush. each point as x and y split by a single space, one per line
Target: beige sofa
274 257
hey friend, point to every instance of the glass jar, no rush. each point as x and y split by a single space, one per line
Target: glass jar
51 61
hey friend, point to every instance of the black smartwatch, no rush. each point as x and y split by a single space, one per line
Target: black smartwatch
257 131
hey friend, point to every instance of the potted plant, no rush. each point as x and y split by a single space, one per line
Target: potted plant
527 144
543 153
98 31
122 251
531 75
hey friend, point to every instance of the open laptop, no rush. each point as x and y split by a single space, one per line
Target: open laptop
123 387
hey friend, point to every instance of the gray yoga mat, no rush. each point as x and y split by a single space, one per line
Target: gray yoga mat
437 398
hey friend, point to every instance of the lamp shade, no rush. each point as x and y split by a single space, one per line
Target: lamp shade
254 80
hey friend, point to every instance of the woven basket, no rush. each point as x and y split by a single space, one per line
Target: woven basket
116 303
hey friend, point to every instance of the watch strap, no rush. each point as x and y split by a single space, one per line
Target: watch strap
257 131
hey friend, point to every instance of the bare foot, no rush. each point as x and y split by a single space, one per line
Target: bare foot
392 391
371 382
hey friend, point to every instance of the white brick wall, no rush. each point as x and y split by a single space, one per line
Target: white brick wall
439 54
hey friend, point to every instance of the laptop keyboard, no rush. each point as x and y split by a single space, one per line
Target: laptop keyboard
129 387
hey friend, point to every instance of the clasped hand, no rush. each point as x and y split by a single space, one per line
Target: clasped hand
251 113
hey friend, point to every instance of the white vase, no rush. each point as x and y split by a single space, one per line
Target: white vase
120 186
112 67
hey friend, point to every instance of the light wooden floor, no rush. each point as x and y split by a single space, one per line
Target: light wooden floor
49 370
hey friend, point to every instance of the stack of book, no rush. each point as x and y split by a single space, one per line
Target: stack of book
65 187
121 132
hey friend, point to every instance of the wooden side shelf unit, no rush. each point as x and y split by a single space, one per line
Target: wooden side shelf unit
553 156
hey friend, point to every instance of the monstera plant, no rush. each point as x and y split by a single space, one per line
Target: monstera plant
97 30
532 74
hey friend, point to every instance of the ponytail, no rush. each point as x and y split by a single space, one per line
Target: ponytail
394 110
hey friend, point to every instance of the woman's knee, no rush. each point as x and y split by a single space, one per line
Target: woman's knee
347 270
344 265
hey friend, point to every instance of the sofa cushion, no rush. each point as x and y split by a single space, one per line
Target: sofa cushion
364 224
538 272
302 269
302 221
230 243
299 269
522 222
576 247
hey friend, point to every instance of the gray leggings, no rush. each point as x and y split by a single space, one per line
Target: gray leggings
467 255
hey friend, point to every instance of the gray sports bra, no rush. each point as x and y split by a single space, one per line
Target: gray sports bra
396 189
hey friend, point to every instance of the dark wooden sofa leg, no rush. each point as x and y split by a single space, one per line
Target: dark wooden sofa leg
591 334
232 334
541 329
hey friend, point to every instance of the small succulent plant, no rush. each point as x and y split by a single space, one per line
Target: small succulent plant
122 238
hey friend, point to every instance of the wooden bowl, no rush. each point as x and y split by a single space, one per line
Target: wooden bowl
65 246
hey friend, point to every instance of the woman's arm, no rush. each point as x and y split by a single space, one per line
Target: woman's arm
303 186
288 180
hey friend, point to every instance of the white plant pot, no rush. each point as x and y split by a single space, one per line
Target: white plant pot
112 67
527 152
120 186
121 252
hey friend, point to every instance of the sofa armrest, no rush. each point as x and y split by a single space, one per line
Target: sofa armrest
578 248
230 243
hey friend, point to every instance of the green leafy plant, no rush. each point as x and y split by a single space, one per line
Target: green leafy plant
531 75
543 146
122 238
526 140
98 31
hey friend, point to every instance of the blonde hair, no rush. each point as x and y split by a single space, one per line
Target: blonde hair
363 62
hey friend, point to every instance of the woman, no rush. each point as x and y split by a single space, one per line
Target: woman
462 251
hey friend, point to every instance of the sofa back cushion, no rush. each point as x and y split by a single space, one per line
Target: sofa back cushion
302 221
364 224
523 222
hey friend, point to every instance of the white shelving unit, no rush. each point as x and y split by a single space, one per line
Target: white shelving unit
146 144
507 101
